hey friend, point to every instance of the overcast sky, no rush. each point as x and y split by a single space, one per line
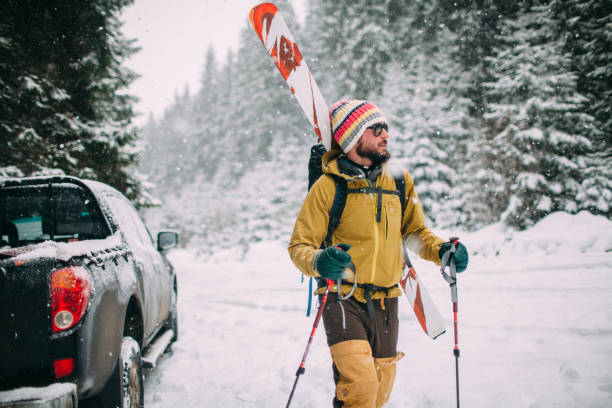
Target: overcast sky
174 36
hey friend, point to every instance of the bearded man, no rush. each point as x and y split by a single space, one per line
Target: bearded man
362 330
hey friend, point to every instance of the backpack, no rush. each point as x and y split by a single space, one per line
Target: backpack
315 171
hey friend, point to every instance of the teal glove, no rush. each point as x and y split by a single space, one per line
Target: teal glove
332 261
461 255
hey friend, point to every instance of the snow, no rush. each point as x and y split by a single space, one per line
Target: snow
535 326
65 250
37 394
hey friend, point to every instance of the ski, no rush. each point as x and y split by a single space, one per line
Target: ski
274 33
276 37
424 308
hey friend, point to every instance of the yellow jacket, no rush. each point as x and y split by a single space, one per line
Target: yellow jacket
376 246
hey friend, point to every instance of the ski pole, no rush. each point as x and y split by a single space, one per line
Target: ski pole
301 369
449 260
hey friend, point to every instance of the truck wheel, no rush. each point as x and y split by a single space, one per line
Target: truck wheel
125 388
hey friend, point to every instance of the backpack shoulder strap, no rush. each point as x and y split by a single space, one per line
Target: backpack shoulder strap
400 186
335 213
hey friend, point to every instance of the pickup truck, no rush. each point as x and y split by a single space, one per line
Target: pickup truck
87 298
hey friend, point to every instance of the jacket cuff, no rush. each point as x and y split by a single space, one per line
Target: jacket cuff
314 262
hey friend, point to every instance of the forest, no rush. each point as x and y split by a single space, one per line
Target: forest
501 110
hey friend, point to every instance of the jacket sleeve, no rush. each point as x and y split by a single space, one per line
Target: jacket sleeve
311 226
417 236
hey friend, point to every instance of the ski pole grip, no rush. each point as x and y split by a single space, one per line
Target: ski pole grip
450 260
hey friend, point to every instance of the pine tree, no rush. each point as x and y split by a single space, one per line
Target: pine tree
206 119
587 27
175 151
539 127
424 102
589 24
63 102
352 49
474 26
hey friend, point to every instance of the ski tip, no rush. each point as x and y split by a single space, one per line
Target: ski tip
261 10
259 15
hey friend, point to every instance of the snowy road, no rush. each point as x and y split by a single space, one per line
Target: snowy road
534 331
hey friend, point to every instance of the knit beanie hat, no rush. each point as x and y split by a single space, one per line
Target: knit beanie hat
349 120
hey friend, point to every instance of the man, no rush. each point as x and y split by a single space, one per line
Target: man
362 330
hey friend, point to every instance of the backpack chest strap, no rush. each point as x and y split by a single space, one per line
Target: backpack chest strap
378 191
339 201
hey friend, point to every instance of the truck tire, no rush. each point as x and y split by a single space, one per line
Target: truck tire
125 388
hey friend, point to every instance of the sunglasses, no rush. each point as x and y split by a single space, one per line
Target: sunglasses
378 128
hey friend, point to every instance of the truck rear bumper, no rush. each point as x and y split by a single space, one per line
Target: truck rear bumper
61 395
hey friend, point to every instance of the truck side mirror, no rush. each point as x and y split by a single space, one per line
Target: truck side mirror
166 240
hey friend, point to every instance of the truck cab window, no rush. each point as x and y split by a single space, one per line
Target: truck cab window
62 212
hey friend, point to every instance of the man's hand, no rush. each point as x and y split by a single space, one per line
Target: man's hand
461 255
332 261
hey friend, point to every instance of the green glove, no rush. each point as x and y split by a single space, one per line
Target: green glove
332 261
461 255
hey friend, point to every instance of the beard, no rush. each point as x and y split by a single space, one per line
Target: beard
373 154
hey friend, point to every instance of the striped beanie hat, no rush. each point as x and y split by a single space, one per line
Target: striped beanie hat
349 119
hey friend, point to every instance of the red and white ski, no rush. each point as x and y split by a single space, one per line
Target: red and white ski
276 37
424 308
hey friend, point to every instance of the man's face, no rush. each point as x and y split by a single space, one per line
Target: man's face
374 147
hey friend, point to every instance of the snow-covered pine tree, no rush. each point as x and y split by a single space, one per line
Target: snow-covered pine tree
175 150
588 25
423 98
540 131
320 45
476 25
150 140
352 47
64 105
206 119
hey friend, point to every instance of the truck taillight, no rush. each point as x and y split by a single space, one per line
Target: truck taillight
70 291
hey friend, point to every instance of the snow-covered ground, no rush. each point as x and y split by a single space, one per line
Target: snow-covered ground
535 327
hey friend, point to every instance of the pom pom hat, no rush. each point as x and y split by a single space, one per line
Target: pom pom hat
349 119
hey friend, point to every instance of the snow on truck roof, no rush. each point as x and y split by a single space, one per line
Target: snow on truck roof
96 187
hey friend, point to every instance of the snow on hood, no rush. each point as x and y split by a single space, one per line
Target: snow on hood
63 251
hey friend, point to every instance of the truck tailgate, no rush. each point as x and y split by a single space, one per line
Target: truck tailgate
25 328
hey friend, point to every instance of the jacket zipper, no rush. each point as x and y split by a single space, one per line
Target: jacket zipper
386 225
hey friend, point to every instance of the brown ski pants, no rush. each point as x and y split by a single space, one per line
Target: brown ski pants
364 353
